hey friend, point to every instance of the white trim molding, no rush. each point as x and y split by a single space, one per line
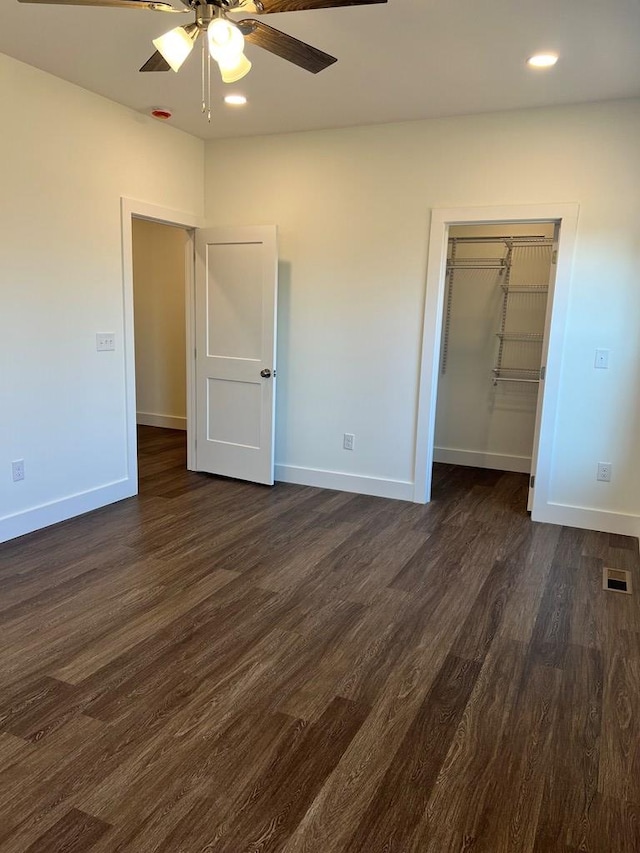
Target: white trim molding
479 459
375 486
35 518
164 421
587 518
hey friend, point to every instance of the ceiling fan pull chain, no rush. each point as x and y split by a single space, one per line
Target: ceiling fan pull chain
208 87
204 105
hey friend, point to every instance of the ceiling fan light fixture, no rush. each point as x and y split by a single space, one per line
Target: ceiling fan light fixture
232 72
176 45
226 42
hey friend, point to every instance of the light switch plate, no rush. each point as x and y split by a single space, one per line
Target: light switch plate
602 359
105 341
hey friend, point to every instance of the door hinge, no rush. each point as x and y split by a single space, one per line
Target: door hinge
195 352
532 481
543 371
554 256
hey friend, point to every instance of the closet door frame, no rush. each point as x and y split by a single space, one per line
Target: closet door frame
566 216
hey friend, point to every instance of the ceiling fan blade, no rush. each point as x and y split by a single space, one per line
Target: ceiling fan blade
271 6
112 4
285 46
157 62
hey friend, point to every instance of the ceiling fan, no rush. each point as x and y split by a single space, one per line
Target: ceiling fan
225 37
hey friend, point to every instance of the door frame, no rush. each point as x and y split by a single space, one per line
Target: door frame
134 209
566 215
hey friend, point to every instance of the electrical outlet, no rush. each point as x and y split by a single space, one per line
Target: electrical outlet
348 441
604 472
105 341
17 470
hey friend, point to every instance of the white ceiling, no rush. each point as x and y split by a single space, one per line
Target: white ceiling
404 60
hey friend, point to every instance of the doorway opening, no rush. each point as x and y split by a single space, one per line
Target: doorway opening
495 306
563 218
159 382
160 310
159 300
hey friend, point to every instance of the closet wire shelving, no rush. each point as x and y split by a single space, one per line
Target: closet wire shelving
501 372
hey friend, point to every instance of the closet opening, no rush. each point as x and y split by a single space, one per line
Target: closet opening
563 218
496 299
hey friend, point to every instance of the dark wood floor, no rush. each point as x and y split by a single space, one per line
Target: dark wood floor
218 666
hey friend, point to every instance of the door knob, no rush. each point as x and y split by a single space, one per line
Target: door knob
266 373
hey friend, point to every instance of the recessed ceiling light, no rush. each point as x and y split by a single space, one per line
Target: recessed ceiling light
235 100
542 60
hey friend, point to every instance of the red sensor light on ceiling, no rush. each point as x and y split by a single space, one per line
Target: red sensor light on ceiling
161 113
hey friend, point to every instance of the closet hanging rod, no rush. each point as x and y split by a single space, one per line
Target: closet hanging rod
540 244
504 238
525 288
520 336
497 379
477 263
517 372
477 259
478 267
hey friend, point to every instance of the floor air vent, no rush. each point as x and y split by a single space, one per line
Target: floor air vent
616 580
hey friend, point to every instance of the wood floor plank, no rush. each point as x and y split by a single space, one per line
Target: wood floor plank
186 646
166 815
590 629
551 632
485 617
11 747
217 665
329 823
454 813
510 816
405 788
76 832
277 801
31 799
619 777
615 825
567 812
533 566
143 626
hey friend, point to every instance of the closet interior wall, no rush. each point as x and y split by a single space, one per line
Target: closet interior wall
491 347
159 323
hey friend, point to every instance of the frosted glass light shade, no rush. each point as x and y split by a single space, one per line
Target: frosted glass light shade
226 42
236 70
175 46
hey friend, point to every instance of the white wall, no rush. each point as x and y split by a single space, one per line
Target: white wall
160 323
479 422
352 207
353 211
66 158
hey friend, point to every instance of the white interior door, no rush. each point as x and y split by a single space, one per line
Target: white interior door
235 331
543 367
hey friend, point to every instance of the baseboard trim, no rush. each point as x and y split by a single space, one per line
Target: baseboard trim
588 519
165 421
35 518
322 479
476 459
